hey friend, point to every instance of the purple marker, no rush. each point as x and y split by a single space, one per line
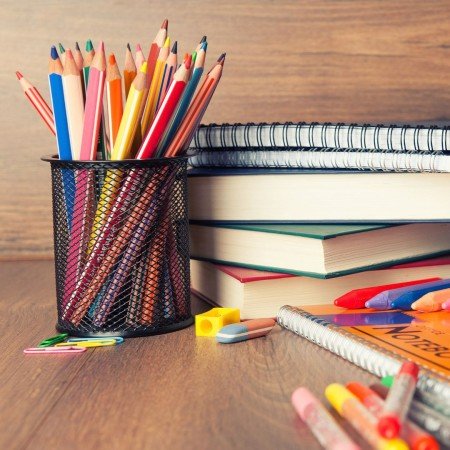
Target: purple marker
385 299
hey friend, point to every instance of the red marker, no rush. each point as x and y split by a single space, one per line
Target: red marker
357 298
416 438
398 401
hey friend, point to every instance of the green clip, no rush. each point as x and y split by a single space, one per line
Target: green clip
53 340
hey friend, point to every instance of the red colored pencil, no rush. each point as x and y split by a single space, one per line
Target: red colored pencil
162 118
35 98
357 298
155 47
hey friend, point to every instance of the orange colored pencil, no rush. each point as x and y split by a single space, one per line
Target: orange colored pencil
129 70
155 47
114 98
196 110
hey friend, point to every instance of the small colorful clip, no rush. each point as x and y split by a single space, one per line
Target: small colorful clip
52 350
53 340
96 343
118 339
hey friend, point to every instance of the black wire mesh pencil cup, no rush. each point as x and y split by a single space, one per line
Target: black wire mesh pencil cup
121 246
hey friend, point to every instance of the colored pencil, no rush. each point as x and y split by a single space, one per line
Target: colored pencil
150 106
87 62
94 105
78 57
114 98
55 71
196 111
129 119
185 100
155 47
35 98
432 301
159 125
139 58
170 67
129 70
62 53
73 96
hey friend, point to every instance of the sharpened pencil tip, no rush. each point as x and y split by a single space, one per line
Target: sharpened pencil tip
204 38
101 47
69 54
204 46
112 59
128 47
77 46
174 47
138 48
19 75
165 24
188 62
167 42
89 46
53 52
221 57
143 68
61 48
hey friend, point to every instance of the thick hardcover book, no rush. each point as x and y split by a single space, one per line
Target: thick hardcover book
298 196
378 137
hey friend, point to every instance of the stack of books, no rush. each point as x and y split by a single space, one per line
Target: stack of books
302 213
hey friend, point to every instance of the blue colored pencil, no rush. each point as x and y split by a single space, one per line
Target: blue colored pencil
61 127
184 102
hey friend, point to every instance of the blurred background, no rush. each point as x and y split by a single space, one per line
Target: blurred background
318 60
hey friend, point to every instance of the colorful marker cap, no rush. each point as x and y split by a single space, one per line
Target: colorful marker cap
393 444
337 395
410 369
387 381
389 426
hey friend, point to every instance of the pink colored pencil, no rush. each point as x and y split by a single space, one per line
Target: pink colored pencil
94 104
139 58
35 98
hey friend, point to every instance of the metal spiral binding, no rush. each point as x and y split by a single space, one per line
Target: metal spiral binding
432 386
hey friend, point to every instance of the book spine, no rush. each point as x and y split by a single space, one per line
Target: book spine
433 389
321 158
379 137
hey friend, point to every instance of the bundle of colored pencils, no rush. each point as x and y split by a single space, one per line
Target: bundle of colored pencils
154 113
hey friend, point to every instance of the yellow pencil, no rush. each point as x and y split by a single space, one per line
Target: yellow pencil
152 98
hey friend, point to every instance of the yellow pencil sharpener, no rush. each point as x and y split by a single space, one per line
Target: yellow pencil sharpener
210 322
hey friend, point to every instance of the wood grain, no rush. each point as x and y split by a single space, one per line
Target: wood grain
349 61
173 391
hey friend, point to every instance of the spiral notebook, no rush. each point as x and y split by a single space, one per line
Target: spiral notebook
379 341
321 158
302 134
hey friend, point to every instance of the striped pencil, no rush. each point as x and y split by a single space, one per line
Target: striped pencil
150 106
155 47
94 105
129 70
159 125
35 98
73 95
185 100
170 67
113 98
62 53
196 111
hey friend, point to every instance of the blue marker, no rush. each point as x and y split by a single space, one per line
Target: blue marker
408 298
62 128
384 299
184 102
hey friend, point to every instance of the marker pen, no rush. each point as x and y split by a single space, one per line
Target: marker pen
326 430
349 407
414 436
398 400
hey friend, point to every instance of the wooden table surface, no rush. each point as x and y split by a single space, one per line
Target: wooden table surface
173 391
